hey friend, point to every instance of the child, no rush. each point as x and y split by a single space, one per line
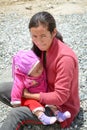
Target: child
28 73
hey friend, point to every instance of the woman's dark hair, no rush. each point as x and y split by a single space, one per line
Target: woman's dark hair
47 20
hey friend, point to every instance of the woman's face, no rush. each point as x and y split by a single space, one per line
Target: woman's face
41 37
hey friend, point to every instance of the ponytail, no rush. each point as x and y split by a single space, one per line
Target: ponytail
59 36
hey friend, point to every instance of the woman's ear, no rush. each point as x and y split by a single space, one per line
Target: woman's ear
54 32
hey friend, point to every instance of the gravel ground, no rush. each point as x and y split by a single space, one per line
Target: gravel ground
14 36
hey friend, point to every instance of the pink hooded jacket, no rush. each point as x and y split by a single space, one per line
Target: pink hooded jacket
23 62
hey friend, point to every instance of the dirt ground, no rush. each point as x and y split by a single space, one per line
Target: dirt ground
29 7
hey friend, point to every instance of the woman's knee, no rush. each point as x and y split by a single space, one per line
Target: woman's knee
5 87
5 92
21 113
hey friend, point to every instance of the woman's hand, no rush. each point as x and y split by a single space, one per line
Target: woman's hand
26 94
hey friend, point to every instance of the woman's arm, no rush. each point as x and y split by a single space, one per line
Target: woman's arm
62 85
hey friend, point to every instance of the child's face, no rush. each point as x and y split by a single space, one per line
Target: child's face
37 71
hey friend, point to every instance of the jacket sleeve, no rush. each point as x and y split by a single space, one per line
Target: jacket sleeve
62 84
17 89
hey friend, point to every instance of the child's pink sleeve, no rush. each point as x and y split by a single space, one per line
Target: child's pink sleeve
17 89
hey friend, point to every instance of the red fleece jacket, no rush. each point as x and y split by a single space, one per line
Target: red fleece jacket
62 74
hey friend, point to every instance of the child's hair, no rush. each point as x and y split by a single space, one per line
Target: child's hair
45 19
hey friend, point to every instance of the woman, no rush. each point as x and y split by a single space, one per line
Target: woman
61 65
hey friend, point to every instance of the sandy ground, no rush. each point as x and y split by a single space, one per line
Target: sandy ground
29 7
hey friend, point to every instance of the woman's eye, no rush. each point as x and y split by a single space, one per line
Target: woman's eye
34 36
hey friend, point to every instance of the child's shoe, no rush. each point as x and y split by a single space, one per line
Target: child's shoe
47 120
62 116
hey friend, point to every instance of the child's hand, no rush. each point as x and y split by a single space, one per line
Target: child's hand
34 83
30 83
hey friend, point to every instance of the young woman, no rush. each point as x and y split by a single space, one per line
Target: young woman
61 66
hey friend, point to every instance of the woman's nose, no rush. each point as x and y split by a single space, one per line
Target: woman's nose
39 40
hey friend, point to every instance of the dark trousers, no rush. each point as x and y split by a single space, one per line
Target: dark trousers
20 116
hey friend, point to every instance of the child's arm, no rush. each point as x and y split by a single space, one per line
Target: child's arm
17 90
